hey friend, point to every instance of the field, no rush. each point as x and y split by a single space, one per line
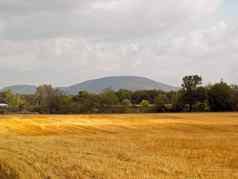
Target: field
146 146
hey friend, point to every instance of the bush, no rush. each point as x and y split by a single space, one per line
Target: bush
219 96
200 107
145 103
126 102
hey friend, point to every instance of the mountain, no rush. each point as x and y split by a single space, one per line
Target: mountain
21 89
117 82
98 85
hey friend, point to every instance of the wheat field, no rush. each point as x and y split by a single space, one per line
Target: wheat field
144 146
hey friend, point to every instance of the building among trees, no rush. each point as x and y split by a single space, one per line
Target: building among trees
3 105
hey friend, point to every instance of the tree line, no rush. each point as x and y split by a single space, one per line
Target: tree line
191 97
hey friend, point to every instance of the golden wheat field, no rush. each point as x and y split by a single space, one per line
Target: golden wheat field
145 146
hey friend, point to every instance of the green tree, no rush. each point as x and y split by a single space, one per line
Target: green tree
86 102
219 97
126 102
177 101
191 82
161 101
47 99
201 106
16 102
145 103
149 95
190 89
123 94
234 97
109 97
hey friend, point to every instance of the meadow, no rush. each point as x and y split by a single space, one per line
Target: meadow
128 146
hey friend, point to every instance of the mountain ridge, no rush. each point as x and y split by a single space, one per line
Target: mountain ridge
132 83
21 89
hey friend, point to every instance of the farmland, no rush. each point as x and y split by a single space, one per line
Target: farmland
128 146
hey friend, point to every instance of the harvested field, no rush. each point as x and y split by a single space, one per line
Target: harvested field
135 146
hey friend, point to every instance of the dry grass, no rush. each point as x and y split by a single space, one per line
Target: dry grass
152 146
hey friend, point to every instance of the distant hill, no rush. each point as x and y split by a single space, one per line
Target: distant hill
117 82
98 85
21 89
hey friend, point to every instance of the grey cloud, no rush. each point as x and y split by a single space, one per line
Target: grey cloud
104 19
24 7
63 42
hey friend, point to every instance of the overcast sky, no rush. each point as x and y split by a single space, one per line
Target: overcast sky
68 41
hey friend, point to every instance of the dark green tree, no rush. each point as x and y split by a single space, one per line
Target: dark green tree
149 95
219 97
86 102
145 103
161 101
234 97
109 97
16 102
123 94
47 99
126 102
190 91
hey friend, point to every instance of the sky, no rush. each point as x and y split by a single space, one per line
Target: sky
63 42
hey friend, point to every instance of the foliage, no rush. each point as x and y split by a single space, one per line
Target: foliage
161 101
85 102
190 90
200 107
109 97
145 103
123 94
219 96
47 99
192 97
15 101
234 98
126 102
